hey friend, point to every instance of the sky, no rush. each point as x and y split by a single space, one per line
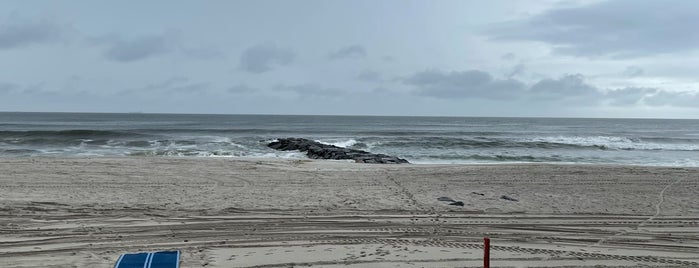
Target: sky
548 58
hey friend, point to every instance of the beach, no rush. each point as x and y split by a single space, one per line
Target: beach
236 212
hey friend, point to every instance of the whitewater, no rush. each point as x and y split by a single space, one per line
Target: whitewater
428 140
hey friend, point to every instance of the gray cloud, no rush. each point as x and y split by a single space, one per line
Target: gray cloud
349 52
468 84
121 49
388 58
13 88
240 89
679 99
36 88
566 87
169 83
633 71
369 76
16 32
629 96
382 91
509 56
620 28
8 87
311 90
264 57
174 85
569 89
516 70
190 88
204 53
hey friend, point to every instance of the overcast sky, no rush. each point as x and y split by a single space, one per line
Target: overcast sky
618 58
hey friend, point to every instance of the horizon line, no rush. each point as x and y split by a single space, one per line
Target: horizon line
351 115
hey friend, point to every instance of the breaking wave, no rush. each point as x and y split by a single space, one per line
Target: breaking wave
554 142
417 139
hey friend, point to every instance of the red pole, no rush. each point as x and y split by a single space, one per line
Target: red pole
486 252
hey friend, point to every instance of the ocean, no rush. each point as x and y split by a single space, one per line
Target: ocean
421 140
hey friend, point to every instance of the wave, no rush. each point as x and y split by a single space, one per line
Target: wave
544 142
19 152
345 143
475 143
621 143
426 133
505 159
78 133
497 158
181 152
687 140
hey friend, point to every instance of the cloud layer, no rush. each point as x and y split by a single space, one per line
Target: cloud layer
615 58
349 52
16 32
7 87
620 28
310 90
265 57
571 89
121 49
464 84
369 76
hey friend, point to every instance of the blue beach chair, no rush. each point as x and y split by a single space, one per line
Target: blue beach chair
160 259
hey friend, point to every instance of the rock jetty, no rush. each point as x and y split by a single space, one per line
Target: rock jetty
317 150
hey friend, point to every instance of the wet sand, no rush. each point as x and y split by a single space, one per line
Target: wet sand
221 212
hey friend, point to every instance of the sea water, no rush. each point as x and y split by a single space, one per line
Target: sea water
445 140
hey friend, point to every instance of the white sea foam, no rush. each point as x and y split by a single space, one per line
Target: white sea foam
339 143
420 140
283 154
686 162
89 154
430 161
221 139
613 142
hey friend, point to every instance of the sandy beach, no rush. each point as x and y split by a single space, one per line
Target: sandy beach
226 212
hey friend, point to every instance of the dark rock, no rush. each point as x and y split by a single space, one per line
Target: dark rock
446 199
317 150
457 203
481 194
366 160
275 145
509 198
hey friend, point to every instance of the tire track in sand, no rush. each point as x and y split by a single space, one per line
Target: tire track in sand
403 191
661 199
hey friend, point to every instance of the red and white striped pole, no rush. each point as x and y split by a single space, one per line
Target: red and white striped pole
486 252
